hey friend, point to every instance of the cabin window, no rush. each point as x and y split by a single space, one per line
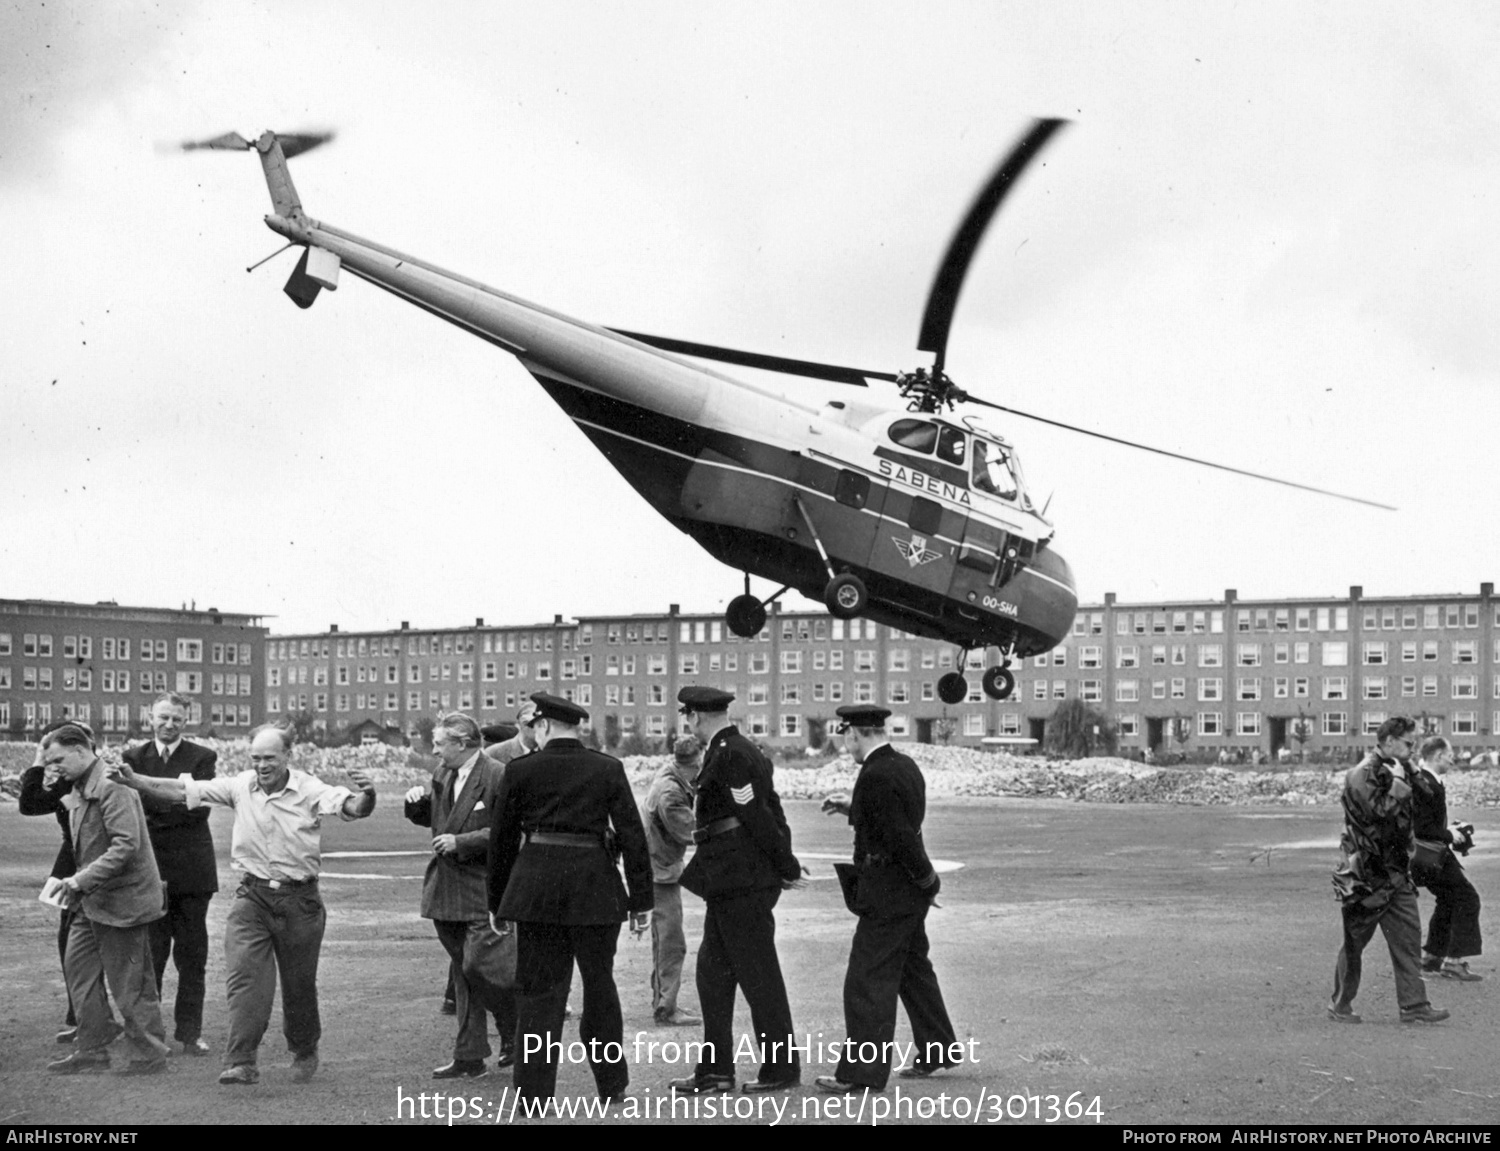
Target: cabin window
951 444
852 489
914 435
925 516
992 470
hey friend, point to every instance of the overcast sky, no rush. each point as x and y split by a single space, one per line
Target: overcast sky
1269 237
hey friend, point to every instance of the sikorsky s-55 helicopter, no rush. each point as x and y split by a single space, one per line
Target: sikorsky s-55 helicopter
911 515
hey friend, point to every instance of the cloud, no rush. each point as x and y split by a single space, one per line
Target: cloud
64 58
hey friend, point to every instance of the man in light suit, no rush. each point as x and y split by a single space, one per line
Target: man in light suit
184 850
115 894
458 809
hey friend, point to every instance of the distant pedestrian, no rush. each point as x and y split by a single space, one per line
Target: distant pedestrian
1373 880
1453 931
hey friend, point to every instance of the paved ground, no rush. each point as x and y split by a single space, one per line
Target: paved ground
1131 953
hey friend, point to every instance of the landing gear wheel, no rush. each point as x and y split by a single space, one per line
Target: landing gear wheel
846 596
953 687
745 616
998 682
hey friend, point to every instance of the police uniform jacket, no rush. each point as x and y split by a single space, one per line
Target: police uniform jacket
887 809
454 887
736 782
116 874
566 789
183 844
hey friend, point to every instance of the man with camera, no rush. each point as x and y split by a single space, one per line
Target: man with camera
1453 930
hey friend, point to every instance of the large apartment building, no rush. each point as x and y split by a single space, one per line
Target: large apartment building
104 664
1242 675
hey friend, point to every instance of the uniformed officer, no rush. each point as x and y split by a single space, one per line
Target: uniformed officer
743 861
895 886
562 891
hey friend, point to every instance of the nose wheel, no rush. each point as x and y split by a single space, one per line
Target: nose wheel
999 682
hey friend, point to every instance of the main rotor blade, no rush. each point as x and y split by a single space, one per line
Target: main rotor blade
943 298
1178 456
811 368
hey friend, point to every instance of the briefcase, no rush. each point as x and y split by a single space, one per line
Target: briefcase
849 884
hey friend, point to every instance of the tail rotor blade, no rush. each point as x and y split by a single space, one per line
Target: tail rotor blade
229 142
943 298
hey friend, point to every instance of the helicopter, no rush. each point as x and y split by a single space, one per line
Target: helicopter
903 512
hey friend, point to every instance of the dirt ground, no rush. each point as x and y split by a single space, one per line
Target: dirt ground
1134 954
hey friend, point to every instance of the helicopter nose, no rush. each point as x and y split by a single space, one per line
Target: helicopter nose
1056 595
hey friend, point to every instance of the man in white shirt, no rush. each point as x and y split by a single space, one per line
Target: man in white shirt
276 923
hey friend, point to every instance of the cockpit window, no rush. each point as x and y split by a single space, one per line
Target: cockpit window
914 435
951 443
992 471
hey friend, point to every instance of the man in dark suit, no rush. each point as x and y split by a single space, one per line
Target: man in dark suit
563 893
895 886
185 858
458 809
115 893
743 861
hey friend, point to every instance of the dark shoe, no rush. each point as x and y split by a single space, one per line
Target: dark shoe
677 1017
67 1035
760 1087
1424 1014
702 1084
143 1067
1458 969
1343 1014
80 1061
922 1070
461 1069
197 1046
240 1075
507 1057
1432 962
304 1067
449 1007
831 1085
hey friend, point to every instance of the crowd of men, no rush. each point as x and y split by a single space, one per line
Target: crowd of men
539 855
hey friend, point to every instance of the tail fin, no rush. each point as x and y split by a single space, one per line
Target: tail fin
274 148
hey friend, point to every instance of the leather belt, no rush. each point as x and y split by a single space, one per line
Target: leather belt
563 839
717 827
276 884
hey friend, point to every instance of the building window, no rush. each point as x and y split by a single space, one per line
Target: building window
1179 689
1466 651
1210 723
791 693
1210 690
1335 687
1466 687
1465 723
1335 723
1335 654
791 725
1375 687
1249 689
1375 653
1211 655
190 651
791 662
1247 655
1158 689
1127 691
1281 687
1247 723
1091 690
1127 656
1088 657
